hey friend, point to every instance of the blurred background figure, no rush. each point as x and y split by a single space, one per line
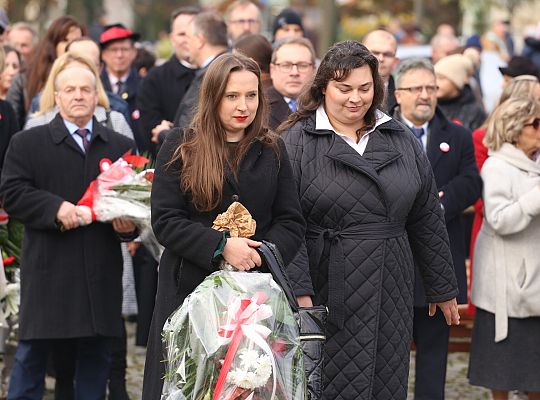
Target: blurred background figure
242 16
29 84
517 66
446 29
144 61
8 121
443 45
118 53
496 40
505 348
454 94
12 66
161 92
531 49
383 45
207 39
4 23
258 47
288 23
24 38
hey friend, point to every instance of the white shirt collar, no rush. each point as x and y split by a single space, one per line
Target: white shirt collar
208 61
71 127
322 121
113 79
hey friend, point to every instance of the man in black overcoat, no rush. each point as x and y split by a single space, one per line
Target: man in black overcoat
71 275
162 90
450 151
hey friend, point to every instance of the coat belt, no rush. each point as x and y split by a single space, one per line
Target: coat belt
336 265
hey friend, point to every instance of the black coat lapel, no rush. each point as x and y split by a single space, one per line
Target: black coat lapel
437 134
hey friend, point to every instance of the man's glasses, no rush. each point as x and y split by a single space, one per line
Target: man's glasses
242 21
535 124
416 90
287 66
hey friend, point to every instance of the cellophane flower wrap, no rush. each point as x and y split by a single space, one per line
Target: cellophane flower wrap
122 190
235 337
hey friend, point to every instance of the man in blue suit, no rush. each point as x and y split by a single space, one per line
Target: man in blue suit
450 150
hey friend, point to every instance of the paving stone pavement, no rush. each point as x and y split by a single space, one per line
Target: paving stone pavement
457 386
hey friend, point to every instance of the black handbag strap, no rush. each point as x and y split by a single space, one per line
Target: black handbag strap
275 265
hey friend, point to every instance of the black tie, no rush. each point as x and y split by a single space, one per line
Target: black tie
119 87
418 132
83 134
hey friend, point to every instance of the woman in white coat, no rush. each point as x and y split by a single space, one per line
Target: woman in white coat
505 350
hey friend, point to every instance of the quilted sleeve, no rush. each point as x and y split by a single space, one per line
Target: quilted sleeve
428 237
298 268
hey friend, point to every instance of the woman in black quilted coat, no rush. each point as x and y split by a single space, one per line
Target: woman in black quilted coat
372 210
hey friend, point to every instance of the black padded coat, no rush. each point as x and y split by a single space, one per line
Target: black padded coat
367 216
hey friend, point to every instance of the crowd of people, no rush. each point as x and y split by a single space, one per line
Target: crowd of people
366 172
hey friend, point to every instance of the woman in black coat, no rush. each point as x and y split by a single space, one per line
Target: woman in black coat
227 155
370 202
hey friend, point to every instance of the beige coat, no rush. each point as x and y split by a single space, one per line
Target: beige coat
506 258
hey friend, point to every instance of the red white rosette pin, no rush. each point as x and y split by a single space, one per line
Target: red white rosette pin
445 147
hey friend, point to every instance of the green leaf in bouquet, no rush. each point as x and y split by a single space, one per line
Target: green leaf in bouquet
4 234
16 232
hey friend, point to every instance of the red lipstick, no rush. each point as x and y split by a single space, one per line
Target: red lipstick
241 119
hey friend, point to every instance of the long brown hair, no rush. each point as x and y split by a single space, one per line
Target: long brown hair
45 54
336 65
204 154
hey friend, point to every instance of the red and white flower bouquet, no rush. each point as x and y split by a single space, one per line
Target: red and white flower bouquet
122 190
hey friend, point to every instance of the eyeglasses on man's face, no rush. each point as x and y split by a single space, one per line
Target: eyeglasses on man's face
242 21
288 66
416 90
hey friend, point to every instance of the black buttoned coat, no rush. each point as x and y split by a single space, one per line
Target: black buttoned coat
265 187
71 282
161 92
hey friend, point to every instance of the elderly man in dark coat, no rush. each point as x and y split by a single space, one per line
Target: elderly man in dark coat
450 151
71 275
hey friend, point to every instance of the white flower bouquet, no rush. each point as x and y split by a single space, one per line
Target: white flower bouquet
234 337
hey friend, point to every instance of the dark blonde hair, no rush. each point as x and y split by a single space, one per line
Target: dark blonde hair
508 120
204 154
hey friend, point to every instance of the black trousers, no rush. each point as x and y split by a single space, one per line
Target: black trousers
64 355
430 336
